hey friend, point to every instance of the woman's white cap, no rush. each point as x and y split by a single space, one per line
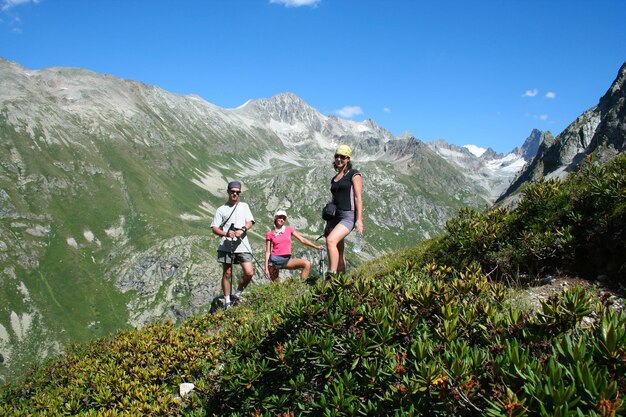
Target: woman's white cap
280 213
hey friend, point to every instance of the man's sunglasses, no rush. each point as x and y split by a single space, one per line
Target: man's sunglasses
342 157
234 192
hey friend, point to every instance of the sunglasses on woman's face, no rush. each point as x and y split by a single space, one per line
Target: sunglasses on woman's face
342 157
281 217
234 192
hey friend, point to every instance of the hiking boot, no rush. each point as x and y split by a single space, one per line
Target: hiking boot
227 305
239 297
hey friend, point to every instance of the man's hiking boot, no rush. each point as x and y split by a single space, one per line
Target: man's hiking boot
227 305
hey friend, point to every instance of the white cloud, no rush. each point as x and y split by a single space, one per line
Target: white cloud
387 110
550 94
9 4
542 117
349 111
530 93
297 3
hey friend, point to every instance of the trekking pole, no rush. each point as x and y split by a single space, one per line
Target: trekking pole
232 261
322 264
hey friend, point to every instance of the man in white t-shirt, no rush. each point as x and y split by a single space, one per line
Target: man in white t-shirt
232 222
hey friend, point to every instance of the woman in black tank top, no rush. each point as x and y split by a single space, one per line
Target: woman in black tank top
346 188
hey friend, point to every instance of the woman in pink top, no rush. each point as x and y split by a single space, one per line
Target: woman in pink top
278 248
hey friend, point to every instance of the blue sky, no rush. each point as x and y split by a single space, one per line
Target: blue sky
480 72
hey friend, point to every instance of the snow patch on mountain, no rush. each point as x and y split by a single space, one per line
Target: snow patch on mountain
508 163
475 150
450 154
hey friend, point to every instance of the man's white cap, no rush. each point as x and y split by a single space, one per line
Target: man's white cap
280 213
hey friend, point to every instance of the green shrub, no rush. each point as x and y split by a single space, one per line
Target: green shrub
426 344
575 226
138 372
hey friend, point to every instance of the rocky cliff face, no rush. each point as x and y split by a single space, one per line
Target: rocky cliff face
610 136
108 188
599 133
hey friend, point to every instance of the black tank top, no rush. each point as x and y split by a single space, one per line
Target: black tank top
343 191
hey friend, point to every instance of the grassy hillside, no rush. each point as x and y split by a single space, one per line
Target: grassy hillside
431 330
60 263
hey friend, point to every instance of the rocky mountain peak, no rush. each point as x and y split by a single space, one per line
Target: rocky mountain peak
616 92
531 145
406 135
286 108
490 154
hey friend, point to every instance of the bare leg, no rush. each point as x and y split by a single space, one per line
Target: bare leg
341 266
303 264
335 247
248 272
227 270
274 272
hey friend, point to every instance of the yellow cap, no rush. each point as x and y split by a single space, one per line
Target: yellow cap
343 150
